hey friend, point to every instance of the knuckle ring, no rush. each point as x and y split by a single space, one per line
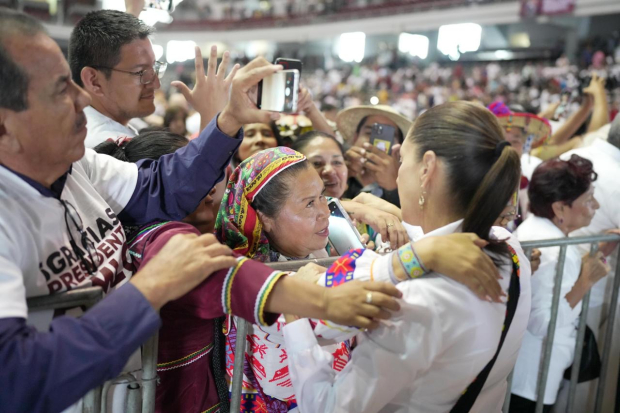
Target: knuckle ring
369 298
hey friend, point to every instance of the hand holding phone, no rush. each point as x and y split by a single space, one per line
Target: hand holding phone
289 64
382 137
342 233
279 92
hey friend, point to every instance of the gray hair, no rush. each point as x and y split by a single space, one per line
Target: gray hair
13 78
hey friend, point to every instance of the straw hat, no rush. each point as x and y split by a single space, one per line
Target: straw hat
348 119
533 125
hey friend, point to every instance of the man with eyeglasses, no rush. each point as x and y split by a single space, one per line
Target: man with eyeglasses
111 57
60 222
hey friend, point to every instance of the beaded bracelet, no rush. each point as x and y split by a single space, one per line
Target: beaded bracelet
409 260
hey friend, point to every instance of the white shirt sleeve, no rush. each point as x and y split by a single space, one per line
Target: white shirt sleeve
543 282
399 349
12 288
114 180
369 266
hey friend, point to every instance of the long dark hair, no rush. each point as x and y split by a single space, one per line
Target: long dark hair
482 174
147 145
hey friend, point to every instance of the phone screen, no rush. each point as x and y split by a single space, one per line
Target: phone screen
279 92
565 99
382 137
342 234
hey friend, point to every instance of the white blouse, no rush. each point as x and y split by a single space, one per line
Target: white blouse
424 357
526 370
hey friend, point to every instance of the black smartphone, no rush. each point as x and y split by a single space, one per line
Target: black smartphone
382 137
342 233
289 63
279 92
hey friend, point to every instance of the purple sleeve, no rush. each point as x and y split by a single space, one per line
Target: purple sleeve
172 187
48 372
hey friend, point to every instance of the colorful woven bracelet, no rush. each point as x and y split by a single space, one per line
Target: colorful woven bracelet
410 262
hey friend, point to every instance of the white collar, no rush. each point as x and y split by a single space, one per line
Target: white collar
98 118
416 233
546 225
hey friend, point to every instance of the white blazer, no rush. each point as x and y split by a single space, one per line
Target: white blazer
526 370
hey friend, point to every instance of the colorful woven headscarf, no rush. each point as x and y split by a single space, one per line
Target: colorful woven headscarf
237 223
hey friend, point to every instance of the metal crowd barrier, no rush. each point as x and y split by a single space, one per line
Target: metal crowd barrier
95 400
563 243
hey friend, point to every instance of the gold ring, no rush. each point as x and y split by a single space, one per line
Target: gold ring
369 298
391 224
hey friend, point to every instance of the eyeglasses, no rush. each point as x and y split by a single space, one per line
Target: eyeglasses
71 215
146 76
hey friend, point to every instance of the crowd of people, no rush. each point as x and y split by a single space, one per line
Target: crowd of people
176 223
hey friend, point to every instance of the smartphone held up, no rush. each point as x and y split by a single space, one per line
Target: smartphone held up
280 91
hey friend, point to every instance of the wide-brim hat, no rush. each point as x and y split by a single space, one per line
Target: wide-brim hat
533 125
349 119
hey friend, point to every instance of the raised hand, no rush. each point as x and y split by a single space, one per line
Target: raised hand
211 91
384 167
241 108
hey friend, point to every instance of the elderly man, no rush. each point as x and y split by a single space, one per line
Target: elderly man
60 225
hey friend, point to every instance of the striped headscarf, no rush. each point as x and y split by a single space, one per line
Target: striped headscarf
237 224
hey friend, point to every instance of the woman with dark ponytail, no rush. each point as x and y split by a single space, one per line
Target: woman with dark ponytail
446 350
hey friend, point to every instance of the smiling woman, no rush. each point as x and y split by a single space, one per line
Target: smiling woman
326 154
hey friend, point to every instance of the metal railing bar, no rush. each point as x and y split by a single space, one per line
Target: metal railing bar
589 239
79 297
581 332
543 373
149 373
602 381
237 384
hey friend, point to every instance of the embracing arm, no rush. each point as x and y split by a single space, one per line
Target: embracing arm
171 187
398 350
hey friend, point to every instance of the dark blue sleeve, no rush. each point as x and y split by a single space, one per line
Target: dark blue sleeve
48 372
171 188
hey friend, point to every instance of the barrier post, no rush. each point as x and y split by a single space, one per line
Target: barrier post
609 331
149 373
543 373
237 384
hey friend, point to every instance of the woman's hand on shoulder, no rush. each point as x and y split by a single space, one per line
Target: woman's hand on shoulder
378 203
460 257
384 223
310 273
